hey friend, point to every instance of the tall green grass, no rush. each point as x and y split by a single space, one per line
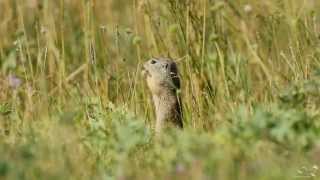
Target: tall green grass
74 106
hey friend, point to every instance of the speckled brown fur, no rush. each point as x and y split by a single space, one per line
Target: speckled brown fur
164 83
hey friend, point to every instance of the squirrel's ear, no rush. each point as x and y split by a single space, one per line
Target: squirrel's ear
174 68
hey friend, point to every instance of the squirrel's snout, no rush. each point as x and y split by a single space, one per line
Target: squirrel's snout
145 72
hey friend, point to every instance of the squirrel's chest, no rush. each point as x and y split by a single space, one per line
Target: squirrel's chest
164 107
154 85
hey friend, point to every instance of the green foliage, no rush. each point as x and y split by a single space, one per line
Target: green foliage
113 133
5 109
302 94
290 128
115 128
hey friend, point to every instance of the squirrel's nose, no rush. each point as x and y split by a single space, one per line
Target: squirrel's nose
144 71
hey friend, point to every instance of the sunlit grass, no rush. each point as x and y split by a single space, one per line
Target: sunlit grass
74 106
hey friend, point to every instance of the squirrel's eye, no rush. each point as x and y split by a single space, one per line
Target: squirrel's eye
153 61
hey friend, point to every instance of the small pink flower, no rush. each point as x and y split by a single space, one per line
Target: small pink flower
180 168
14 81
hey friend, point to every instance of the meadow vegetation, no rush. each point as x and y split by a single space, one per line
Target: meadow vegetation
73 104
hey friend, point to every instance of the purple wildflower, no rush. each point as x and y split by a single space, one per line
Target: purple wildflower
14 81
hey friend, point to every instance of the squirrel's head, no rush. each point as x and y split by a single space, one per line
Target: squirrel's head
161 72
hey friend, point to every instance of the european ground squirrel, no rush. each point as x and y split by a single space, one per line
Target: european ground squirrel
164 83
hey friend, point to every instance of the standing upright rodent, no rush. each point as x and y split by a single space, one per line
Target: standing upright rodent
164 83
